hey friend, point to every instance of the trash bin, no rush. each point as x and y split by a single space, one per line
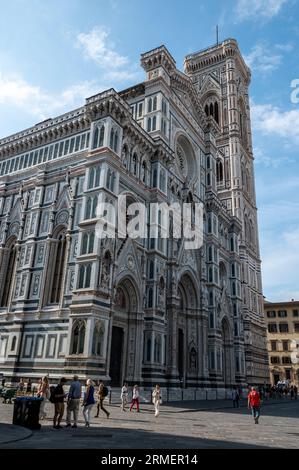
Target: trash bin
26 412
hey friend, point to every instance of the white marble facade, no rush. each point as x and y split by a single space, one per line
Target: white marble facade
144 311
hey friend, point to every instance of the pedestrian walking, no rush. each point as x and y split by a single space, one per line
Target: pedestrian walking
73 402
21 386
292 394
295 391
44 393
124 396
157 399
57 397
254 402
135 398
102 394
88 402
236 398
28 386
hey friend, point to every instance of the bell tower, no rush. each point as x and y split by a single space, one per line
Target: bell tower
222 79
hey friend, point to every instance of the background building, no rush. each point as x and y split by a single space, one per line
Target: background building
143 310
283 333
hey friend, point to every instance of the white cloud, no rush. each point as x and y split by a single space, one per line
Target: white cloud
262 60
271 120
258 8
15 91
97 47
284 47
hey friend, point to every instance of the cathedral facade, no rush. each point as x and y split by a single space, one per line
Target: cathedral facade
143 310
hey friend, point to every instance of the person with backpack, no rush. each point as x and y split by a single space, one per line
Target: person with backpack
102 394
57 397
254 402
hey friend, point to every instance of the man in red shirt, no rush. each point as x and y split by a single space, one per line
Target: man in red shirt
254 402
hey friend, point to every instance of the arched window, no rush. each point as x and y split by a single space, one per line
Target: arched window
84 243
149 125
112 138
155 176
219 171
211 109
154 123
151 270
94 177
150 298
87 243
162 184
13 343
57 282
95 138
9 272
210 275
232 245
91 207
216 112
210 254
155 103
148 349
101 140
211 300
233 288
115 143
157 349
233 270
150 105
91 178
110 179
78 337
84 276
97 177
98 137
207 109
98 339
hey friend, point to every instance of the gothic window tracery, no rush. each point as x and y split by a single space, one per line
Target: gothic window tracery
60 260
98 339
78 337
212 108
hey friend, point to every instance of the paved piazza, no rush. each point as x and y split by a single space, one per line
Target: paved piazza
181 425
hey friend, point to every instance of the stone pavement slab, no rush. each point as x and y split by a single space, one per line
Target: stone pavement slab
10 434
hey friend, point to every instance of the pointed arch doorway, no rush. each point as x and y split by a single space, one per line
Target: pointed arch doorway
122 357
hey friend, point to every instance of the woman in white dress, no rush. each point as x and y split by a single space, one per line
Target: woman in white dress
124 396
157 399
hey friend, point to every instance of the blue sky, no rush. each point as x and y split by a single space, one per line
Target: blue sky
54 53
